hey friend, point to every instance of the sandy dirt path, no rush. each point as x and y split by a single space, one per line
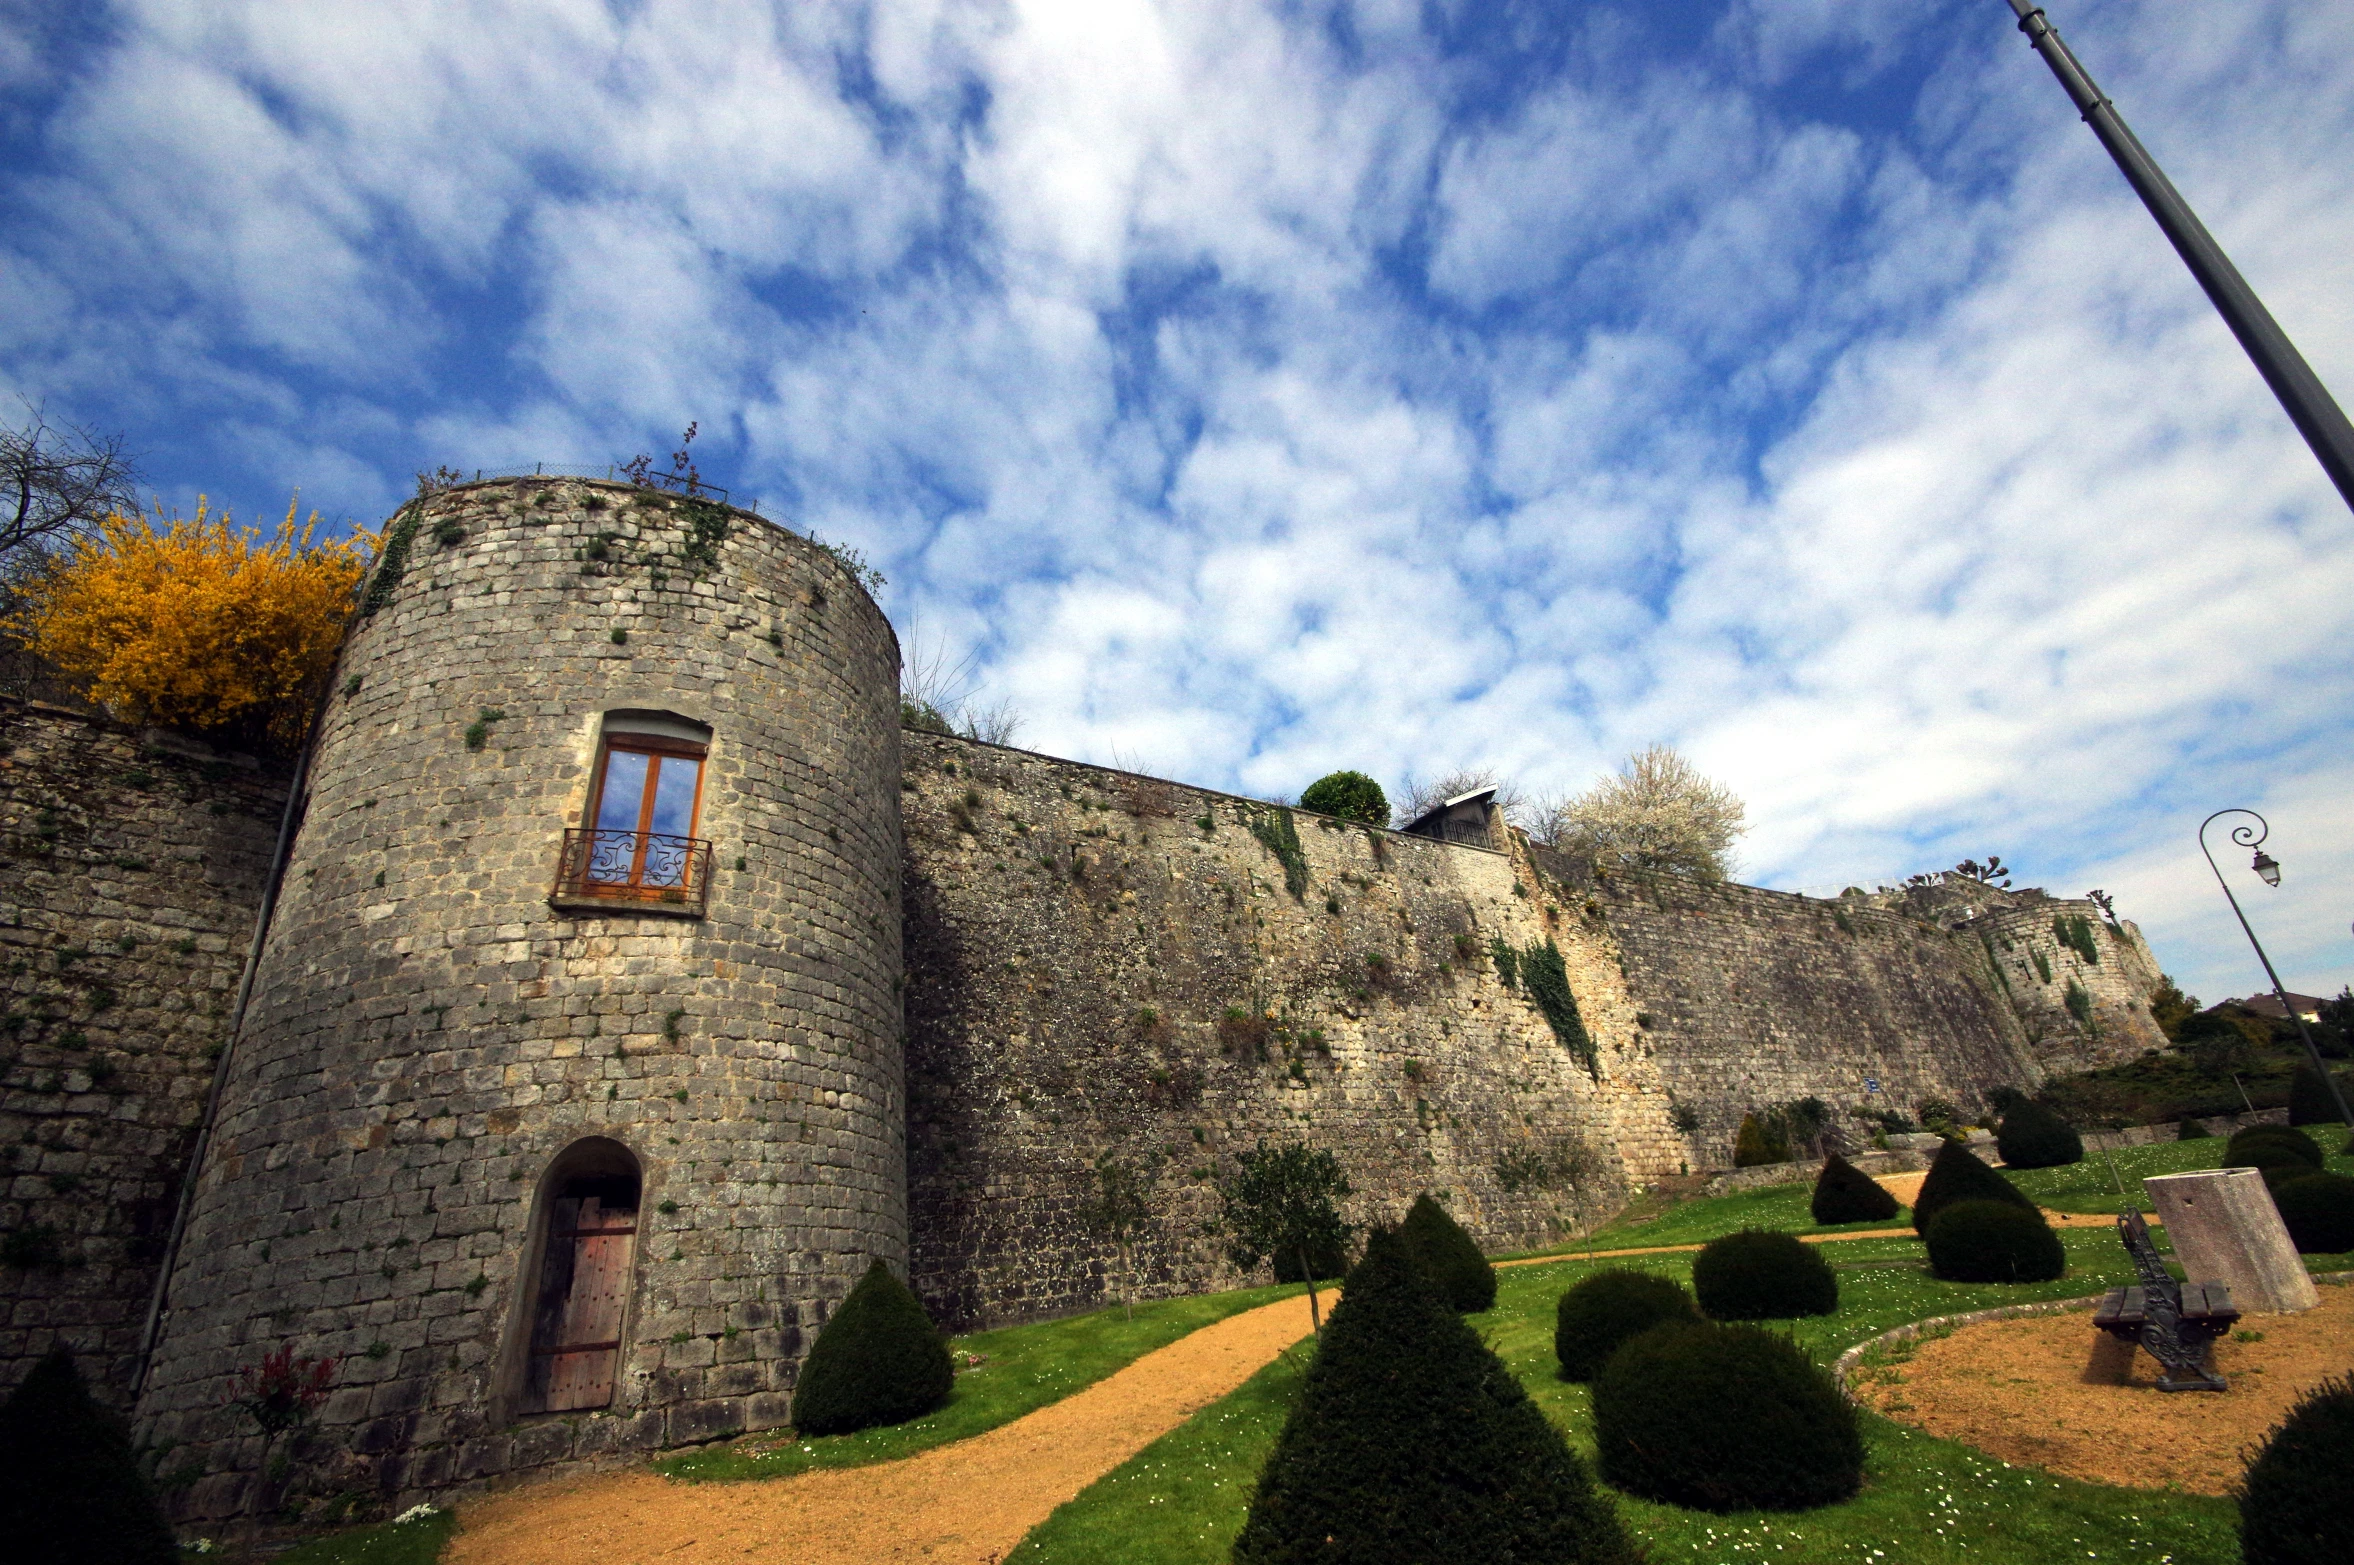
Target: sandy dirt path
962 1504
1906 1186
2049 1391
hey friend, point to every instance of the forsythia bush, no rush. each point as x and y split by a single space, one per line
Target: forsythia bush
198 624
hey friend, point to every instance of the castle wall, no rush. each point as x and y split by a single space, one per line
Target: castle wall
1753 998
428 1033
130 868
2116 1024
1093 974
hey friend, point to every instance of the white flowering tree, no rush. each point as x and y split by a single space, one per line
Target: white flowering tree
1655 813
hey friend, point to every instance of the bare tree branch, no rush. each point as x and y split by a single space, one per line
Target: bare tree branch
57 483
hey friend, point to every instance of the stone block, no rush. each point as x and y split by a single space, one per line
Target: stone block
2224 1228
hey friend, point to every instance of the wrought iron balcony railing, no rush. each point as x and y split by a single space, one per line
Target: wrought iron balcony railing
646 871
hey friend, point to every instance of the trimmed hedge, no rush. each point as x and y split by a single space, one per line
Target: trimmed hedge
1956 1175
1994 1241
1439 1244
1758 1275
1844 1193
2192 1128
2318 1211
1724 1418
878 1361
2309 1099
1610 1308
1349 796
1411 1442
1752 1147
2297 1496
2032 1136
73 1493
2283 1136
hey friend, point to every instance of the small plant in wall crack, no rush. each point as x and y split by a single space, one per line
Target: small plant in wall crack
478 731
670 1026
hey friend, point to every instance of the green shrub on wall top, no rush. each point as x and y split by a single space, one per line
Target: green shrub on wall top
2032 1136
1348 796
2297 1498
878 1361
1844 1193
1759 1275
1411 1441
1958 1176
1993 1241
1611 1308
1725 1418
70 1487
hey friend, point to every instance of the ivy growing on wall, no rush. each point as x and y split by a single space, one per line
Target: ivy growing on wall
1507 961
394 559
2043 966
1546 979
2075 932
1279 836
2079 1004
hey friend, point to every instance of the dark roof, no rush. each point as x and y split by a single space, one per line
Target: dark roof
1475 796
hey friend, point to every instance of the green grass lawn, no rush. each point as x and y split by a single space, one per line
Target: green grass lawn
418 1542
1926 1501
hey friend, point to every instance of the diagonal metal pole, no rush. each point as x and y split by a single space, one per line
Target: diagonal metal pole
2307 401
2253 837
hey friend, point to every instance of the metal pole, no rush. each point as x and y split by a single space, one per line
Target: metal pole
2301 393
2253 837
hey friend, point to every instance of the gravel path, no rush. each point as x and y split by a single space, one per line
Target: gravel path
962 1504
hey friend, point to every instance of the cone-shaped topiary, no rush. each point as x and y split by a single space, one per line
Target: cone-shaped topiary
1609 1308
2318 1211
2032 1136
2309 1099
1453 1260
1958 1176
1993 1241
2192 1128
878 1361
73 1491
1844 1193
1751 1145
1411 1443
1755 1275
2297 1497
1724 1418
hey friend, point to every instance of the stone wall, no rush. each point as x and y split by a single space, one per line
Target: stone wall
1753 998
428 1032
1102 965
130 869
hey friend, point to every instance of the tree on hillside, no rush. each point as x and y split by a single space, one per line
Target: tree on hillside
1656 813
1282 1200
2170 1007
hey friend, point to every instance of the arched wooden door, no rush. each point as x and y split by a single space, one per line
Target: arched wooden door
584 1283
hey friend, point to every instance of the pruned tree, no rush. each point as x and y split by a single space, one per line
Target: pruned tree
1656 813
1283 1200
1118 1208
62 481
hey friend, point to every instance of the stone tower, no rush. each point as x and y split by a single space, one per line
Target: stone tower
570 1097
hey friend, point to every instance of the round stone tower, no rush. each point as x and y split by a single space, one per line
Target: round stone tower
570 1095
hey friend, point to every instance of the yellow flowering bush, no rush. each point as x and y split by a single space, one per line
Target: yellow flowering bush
198 624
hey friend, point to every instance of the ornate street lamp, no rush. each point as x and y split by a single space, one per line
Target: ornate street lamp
2267 868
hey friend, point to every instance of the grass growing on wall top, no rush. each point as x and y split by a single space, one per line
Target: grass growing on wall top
1027 1367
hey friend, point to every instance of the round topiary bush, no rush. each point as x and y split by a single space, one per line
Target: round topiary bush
1410 1441
1844 1193
1755 1275
1724 1418
2032 1136
2284 1137
2191 1128
1349 796
2297 1496
878 1361
2318 1211
73 1491
1958 1176
1454 1261
1610 1308
1994 1241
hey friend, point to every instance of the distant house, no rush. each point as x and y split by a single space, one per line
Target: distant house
2307 1006
1468 817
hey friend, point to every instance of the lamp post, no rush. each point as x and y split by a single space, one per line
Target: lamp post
2302 395
2267 869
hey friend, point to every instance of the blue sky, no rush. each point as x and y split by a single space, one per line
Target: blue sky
1253 390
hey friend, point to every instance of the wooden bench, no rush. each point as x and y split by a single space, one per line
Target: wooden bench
2176 1321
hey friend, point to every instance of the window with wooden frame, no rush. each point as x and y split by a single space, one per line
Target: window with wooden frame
638 843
